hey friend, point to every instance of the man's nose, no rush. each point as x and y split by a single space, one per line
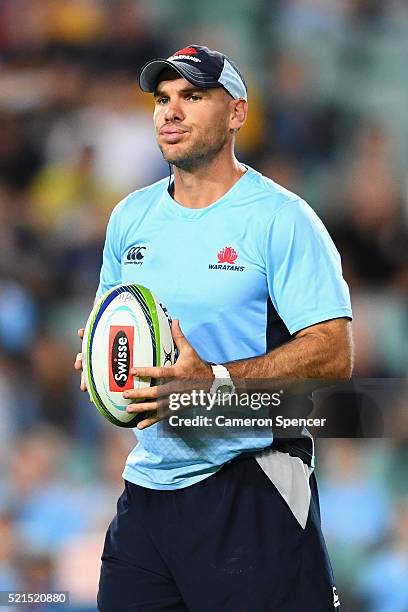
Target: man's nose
174 111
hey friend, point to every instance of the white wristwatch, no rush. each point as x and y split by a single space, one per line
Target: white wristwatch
222 382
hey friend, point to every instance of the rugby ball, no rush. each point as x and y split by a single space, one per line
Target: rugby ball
128 327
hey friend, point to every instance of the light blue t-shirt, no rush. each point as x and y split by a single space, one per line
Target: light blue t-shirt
242 275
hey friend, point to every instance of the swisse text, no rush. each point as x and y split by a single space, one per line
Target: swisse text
122 361
121 357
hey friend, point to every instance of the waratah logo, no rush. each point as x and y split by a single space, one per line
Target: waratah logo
186 51
226 260
227 255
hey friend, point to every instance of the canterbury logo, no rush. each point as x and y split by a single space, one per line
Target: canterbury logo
135 255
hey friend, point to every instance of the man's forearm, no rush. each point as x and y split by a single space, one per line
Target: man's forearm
321 351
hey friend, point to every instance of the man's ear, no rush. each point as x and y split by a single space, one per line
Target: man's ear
238 115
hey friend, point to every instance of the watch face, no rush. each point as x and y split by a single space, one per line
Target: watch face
225 389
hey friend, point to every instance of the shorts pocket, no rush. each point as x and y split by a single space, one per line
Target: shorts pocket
290 476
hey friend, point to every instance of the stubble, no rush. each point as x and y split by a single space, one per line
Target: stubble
199 153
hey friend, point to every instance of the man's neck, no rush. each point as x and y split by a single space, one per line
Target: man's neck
205 185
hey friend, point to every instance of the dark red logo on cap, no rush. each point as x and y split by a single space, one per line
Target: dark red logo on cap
186 51
227 255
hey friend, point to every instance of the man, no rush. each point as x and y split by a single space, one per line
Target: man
222 524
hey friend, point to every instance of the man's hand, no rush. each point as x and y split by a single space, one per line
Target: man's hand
188 367
78 362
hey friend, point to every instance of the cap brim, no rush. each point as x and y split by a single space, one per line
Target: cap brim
149 76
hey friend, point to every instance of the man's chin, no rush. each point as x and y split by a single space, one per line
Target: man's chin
187 158
185 163
172 153
175 158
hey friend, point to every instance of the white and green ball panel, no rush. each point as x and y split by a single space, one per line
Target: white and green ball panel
128 306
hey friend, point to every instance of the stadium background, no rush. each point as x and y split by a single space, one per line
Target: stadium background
328 98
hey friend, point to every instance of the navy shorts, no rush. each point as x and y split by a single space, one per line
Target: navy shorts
227 544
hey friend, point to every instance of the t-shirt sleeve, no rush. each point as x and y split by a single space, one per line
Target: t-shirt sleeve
303 266
111 274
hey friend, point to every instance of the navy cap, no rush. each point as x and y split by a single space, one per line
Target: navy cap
201 67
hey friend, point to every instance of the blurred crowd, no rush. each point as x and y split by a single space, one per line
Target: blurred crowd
328 96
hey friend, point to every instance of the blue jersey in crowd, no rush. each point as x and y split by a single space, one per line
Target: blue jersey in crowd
243 275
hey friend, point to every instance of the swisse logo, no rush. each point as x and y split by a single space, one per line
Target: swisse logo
120 357
226 260
135 255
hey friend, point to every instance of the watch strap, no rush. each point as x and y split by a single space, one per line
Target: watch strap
220 371
222 380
